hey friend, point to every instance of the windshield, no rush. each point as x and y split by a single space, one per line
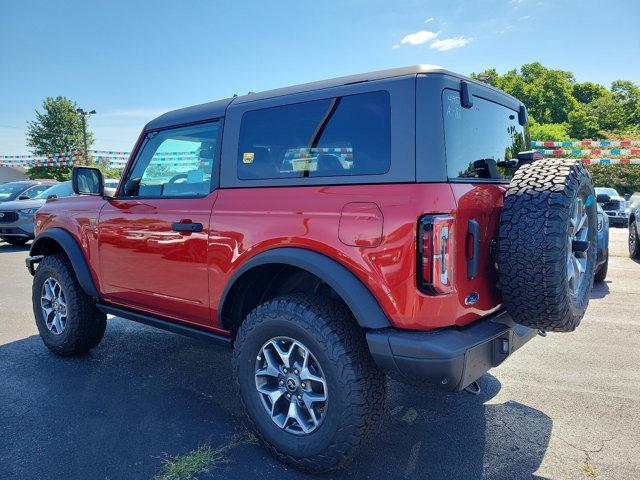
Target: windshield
479 140
10 190
60 190
607 191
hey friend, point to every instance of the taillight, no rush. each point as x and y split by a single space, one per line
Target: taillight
435 254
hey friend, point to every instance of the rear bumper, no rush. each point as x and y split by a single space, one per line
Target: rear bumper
450 358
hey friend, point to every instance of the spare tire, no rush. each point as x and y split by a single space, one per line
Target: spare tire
547 244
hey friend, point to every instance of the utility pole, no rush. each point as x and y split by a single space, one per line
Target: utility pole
84 114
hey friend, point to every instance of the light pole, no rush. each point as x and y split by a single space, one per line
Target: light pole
84 114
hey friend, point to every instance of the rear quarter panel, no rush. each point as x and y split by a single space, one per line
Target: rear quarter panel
246 222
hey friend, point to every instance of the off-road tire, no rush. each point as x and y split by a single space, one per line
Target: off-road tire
533 244
85 324
601 273
356 387
16 241
634 240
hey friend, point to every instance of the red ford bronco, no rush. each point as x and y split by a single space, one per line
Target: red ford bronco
391 222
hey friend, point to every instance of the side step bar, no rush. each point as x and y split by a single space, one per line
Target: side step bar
169 325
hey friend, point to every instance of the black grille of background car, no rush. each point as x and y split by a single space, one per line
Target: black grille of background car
7 217
612 205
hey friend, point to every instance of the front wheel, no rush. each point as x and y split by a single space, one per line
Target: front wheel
66 317
307 381
601 273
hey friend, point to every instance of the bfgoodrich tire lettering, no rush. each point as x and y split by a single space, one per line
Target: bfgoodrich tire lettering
537 244
84 325
354 385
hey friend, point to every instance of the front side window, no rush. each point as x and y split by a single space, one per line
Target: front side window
175 163
479 139
338 136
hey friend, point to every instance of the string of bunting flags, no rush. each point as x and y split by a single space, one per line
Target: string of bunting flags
108 158
118 159
619 156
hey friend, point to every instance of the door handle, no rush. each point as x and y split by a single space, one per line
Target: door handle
186 227
473 257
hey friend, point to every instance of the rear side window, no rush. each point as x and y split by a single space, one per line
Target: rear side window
339 136
479 138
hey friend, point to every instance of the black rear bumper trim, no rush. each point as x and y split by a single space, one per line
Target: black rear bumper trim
449 358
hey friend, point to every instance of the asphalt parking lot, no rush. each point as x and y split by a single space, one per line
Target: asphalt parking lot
566 406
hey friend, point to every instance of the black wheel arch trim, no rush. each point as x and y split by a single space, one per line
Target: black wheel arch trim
73 251
354 293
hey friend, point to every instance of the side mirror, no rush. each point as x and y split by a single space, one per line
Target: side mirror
87 181
529 156
603 198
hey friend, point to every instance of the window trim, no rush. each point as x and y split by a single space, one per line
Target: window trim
214 183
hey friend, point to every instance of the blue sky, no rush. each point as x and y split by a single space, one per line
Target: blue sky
133 60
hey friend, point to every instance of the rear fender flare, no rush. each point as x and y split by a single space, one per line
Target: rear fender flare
354 293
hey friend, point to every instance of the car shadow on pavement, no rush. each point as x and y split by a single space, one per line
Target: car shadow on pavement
7 248
600 289
144 395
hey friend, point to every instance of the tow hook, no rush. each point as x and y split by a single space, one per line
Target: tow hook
542 333
473 388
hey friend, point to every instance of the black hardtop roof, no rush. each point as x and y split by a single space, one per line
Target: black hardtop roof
206 111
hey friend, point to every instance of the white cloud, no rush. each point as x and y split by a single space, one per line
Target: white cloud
450 43
429 20
504 30
396 46
525 17
419 38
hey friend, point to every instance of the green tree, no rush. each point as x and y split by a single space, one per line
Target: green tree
628 94
549 131
610 113
587 92
582 124
58 128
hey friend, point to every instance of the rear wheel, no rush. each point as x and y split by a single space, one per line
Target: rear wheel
634 240
66 317
307 381
17 241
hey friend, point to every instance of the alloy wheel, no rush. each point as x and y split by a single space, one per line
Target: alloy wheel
54 306
291 385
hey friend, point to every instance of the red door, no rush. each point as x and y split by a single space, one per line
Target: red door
153 255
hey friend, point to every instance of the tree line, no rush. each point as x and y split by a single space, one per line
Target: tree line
561 108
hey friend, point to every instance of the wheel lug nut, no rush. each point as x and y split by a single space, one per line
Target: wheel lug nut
303 385
299 397
296 371
288 395
281 382
285 370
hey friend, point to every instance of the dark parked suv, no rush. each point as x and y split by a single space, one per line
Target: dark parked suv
390 222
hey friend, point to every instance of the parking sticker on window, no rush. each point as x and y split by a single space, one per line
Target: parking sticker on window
247 157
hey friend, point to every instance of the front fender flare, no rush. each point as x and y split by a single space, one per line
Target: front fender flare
73 251
356 295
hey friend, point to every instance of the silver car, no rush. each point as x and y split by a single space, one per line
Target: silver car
16 217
